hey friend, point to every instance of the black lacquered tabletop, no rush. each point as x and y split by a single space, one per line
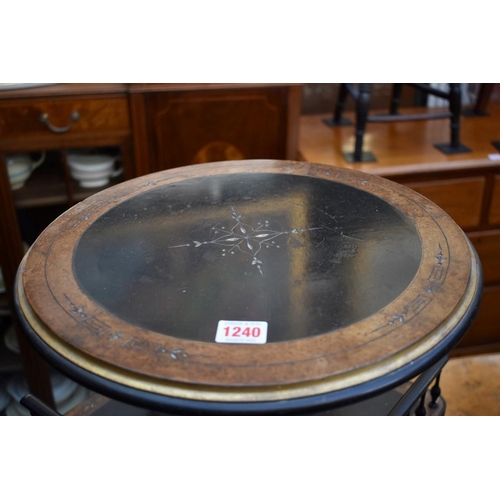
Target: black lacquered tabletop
361 284
305 255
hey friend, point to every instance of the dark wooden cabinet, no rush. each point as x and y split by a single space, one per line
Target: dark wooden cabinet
466 186
151 127
53 119
469 197
177 125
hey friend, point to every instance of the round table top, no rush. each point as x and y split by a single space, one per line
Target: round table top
249 282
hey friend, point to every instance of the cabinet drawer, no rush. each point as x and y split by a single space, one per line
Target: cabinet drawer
203 126
23 120
461 199
486 327
494 217
487 245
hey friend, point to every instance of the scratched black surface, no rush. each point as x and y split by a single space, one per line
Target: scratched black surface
306 255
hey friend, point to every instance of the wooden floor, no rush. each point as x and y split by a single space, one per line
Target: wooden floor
471 386
400 145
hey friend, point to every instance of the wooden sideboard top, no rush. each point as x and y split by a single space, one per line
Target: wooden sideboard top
69 89
403 148
169 87
64 89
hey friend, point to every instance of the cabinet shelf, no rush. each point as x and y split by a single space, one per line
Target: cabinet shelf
45 187
104 125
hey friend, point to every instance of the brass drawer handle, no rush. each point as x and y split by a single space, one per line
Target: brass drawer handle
44 118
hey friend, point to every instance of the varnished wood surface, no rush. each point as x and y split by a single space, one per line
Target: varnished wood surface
471 386
76 89
483 334
185 125
167 87
89 405
494 217
20 121
442 287
405 147
487 244
207 128
461 199
60 89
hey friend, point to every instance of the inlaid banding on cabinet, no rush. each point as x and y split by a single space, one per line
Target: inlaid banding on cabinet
461 199
494 216
487 244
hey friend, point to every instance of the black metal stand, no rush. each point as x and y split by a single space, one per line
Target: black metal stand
496 144
361 96
338 120
37 407
419 390
417 400
448 149
455 99
343 122
366 156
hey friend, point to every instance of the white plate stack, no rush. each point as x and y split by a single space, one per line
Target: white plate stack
92 170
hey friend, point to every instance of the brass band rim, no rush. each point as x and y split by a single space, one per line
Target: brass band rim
303 169
252 394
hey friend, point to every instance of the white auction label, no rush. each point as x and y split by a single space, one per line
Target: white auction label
241 332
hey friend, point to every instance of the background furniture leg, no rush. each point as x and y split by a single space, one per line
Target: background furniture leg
420 410
435 392
362 108
338 120
397 88
483 98
454 146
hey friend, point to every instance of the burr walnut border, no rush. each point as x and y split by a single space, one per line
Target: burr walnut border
76 327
